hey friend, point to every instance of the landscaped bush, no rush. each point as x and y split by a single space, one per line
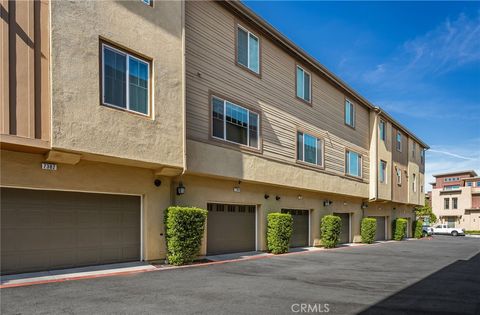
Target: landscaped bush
368 230
184 228
399 229
279 232
330 228
417 229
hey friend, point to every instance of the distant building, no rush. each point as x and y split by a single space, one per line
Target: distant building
455 199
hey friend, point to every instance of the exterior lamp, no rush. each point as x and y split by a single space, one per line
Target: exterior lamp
180 189
326 203
364 205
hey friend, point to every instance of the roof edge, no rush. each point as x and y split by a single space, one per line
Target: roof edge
254 18
471 172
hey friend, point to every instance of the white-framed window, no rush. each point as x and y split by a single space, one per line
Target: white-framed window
383 172
349 113
399 141
414 149
125 81
455 203
399 177
309 149
304 84
148 2
248 49
414 182
234 123
382 130
353 164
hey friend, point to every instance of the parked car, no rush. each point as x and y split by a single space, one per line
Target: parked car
444 229
427 230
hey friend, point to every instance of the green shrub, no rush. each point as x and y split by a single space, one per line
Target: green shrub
184 228
417 229
399 229
368 230
279 232
330 229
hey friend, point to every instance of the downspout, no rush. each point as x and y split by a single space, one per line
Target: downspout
184 92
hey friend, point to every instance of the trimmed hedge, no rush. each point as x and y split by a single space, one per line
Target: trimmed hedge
330 229
279 232
368 230
399 229
184 228
417 229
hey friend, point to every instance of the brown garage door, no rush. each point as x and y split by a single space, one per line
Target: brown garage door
345 231
380 235
230 228
44 230
300 227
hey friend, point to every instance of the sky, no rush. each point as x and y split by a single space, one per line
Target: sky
420 61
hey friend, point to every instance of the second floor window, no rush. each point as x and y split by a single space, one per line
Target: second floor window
399 141
399 177
382 130
248 50
349 113
455 203
234 123
446 203
469 184
125 81
304 85
309 149
383 172
353 164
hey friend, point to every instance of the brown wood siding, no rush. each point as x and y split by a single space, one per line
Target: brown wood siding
25 101
210 64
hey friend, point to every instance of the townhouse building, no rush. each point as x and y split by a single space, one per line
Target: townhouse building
456 199
114 110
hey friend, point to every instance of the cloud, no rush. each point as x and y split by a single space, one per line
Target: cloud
451 158
449 46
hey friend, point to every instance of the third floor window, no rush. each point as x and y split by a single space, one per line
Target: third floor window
304 84
399 141
349 113
248 50
234 123
382 130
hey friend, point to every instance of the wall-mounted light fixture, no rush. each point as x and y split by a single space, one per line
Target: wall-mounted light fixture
236 189
180 189
277 198
266 196
299 197
326 203
364 205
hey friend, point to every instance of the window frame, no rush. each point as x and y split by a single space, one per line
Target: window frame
399 176
322 143
242 66
353 114
454 203
129 54
414 182
308 102
382 162
232 143
414 149
384 124
347 151
399 149
446 203
150 2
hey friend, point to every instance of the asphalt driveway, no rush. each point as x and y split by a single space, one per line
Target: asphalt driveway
441 275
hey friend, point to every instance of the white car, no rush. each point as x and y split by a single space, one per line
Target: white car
444 229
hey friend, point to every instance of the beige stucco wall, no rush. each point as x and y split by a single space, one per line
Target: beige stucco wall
23 170
385 153
414 162
79 122
203 190
207 159
467 219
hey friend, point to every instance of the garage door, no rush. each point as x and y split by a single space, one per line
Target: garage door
43 230
300 227
230 228
381 235
345 232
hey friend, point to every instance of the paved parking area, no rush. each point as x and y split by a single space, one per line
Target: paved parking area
426 276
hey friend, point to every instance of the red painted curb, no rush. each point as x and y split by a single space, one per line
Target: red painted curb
124 273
